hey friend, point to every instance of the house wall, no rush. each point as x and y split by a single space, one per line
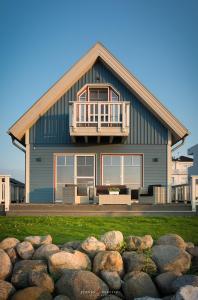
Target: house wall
42 168
53 127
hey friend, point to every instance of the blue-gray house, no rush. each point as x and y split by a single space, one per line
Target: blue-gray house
97 126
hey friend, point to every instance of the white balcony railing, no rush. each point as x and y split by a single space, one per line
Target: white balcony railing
99 114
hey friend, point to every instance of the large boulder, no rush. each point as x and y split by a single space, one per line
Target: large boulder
22 269
5 265
92 246
73 245
139 284
9 242
173 240
164 282
25 250
37 240
81 285
134 261
6 290
112 279
41 279
44 251
113 240
68 260
32 293
193 251
61 297
111 297
139 243
13 255
184 280
171 258
187 292
108 261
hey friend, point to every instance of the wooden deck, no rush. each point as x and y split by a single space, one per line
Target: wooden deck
102 210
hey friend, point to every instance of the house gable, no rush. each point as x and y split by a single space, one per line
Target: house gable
53 126
75 73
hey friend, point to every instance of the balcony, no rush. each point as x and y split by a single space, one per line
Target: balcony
99 119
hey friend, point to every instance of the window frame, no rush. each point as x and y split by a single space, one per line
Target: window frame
121 154
87 88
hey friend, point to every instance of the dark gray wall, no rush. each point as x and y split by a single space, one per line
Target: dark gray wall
53 126
41 172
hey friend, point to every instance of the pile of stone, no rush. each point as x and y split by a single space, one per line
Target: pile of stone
109 268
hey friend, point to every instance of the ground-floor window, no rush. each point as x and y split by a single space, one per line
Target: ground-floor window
73 169
122 169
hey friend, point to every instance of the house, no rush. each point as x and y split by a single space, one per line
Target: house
180 166
193 170
97 126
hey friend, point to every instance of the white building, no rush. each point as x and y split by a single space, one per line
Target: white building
193 170
180 167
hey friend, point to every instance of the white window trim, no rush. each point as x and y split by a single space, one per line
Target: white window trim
97 85
55 155
122 169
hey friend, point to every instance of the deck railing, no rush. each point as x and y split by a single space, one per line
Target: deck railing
99 114
5 191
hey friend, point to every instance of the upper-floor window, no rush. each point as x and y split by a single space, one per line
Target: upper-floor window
98 93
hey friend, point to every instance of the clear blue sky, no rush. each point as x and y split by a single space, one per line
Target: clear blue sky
40 39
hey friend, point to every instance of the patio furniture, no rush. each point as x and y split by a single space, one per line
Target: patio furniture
114 199
154 194
69 194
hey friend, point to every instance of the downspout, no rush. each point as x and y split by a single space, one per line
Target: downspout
17 145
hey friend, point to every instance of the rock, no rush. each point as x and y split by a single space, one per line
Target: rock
187 292
81 285
37 241
148 298
8 243
44 251
138 262
111 297
112 279
22 269
73 244
61 297
113 240
67 260
6 290
139 243
5 265
139 284
92 246
11 252
108 261
25 250
171 258
184 280
164 282
189 245
32 293
193 251
41 279
173 240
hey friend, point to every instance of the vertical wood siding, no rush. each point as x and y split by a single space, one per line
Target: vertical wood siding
53 126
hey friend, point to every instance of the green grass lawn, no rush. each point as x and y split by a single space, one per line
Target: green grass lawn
65 229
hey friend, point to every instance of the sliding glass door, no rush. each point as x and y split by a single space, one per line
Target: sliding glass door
122 169
73 169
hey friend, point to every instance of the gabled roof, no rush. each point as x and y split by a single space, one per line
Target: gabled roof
19 128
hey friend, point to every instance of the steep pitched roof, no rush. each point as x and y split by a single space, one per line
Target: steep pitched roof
19 128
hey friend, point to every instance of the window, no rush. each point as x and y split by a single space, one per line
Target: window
122 169
64 173
98 93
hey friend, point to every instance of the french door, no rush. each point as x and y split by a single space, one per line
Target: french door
73 169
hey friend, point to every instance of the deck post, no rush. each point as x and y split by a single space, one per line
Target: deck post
99 117
7 193
194 191
123 117
27 167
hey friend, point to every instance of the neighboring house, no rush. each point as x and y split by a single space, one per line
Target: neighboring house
194 169
180 167
97 125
